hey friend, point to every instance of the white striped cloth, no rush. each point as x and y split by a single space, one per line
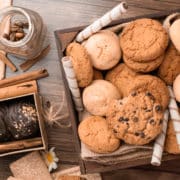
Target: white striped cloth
175 116
159 143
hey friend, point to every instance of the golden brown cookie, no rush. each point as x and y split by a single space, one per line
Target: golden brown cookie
144 40
143 67
97 74
137 119
97 96
94 132
104 49
170 66
171 145
154 85
121 76
81 64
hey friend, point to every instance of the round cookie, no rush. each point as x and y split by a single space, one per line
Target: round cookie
170 66
143 40
97 96
137 119
174 34
121 76
81 64
22 121
171 145
104 49
152 84
176 88
97 74
143 67
94 132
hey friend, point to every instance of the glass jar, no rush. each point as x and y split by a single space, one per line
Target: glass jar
33 42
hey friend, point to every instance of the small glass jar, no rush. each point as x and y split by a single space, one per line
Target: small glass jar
33 42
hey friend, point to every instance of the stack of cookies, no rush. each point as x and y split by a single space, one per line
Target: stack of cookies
143 42
124 103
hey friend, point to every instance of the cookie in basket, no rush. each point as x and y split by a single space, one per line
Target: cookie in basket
94 132
171 145
143 40
154 85
97 96
104 49
81 64
170 66
137 119
121 76
143 67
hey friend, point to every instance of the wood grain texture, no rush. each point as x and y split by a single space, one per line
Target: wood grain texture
66 14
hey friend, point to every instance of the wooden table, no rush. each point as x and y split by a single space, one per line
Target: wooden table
65 14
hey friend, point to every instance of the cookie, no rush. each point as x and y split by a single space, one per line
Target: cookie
81 64
137 119
171 145
143 40
97 96
143 67
152 84
104 49
170 66
121 76
97 74
174 34
176 88
94 132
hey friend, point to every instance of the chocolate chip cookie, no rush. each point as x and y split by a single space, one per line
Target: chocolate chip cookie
121 76
81 64
143 40
152 84
170 66
137 119
94 132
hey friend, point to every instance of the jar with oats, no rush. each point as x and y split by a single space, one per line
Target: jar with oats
22 32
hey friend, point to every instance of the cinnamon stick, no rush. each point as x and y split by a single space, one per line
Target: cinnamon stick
33 75
7 61
30 62
19 89
18 145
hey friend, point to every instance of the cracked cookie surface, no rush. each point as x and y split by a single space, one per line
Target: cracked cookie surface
104 49
144 40
136 119
94 132
170 66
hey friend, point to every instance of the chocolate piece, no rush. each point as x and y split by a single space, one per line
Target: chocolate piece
141 134
158 108
122 119
133 94
22 121
152 122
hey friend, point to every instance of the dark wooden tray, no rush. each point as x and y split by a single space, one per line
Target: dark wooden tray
63 38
